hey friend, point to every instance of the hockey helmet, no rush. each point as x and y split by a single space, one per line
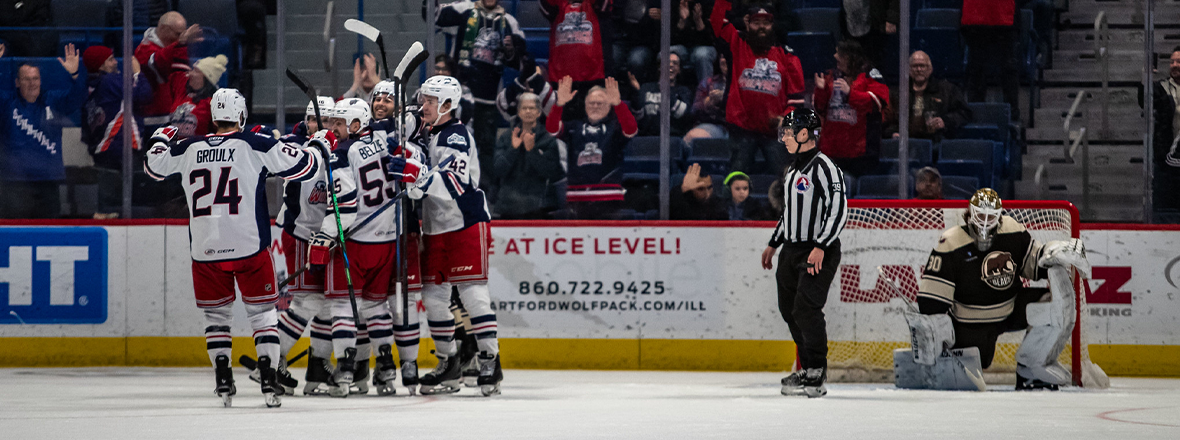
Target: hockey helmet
326 103
386 87
353 109
800 119
983 215
228 105
445 88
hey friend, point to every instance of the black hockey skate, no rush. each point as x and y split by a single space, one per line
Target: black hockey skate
490 374
319 375
444 379
360 379
1026 384
386 371
342 378
268 379
410 376
813 382
287 384
467 354
225 380
793 384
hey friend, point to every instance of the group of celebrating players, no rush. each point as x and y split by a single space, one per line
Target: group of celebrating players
342 219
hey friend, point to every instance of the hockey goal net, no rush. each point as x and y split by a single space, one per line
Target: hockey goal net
865 322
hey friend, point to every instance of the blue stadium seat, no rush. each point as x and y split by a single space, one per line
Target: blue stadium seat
944 47
920 151
879 187
760 183
537 46
958 187
989 155
712 154
819 20
823 3
814 49
942 4
642 156
982 131
965 168
938 18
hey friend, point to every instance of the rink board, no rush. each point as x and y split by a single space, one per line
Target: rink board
679 296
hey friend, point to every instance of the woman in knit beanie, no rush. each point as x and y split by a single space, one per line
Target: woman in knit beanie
190 111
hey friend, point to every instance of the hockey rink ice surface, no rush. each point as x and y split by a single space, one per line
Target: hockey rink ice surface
178 403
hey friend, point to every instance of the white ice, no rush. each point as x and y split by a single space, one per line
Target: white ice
176 403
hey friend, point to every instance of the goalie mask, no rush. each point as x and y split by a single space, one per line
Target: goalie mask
446 89
228 105
983 216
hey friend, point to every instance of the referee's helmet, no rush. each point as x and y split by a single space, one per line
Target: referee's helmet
802 118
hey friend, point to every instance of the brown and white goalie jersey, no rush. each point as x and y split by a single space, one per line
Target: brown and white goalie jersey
980 286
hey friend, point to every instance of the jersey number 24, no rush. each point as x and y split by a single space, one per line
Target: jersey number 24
227 191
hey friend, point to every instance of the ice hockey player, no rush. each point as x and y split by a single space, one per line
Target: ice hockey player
971 292
229 228
303 212
362 189
455 240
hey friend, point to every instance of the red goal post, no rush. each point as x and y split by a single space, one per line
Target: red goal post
896 237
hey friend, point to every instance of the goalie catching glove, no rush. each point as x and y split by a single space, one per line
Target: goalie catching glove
319 251
1065 253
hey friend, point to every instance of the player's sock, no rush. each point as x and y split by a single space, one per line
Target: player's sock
293 321
321 334
477 301
438 316
218 340
407 337
264 320
343 327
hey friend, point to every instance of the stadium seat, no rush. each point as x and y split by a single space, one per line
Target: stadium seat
942 4
80 13
220 15
760 183
712 154
879 187
920 151
944 47
958 187
819 20
642 156
823 3
987 153
538 46
965 168
814 49
938 18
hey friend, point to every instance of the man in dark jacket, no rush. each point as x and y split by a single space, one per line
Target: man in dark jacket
937 107
646 103
527 162
31 167
1166 96
694 199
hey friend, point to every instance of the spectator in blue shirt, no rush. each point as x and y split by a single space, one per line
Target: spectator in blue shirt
31 167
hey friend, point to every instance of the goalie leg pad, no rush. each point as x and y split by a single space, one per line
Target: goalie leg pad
1050 327
929 336
953 370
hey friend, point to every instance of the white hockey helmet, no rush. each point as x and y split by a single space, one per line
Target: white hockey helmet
983 216
445 88
327 105
354 109
386 87
228 105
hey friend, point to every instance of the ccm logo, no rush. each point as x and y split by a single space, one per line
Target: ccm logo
462 268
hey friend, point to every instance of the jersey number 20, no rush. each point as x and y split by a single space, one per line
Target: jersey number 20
227 191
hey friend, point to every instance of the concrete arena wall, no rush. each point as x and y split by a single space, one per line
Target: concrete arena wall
679 296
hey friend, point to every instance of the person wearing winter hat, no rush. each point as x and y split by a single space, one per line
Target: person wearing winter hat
190 111
103 123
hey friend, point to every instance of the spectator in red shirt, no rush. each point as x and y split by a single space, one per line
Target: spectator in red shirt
191 113
575 46
164 51
766 83
989 30
852 112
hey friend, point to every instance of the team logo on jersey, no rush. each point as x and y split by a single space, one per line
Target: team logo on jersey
319 194
457 139
575 30
802 185
999 271
591 155
762 78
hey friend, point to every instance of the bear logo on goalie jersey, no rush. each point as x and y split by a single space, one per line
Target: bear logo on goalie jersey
999 271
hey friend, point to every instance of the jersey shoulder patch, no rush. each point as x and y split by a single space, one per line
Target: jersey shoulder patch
952 239
1009 225
455 137
339 156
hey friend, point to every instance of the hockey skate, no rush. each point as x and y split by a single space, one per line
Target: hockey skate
467 354
345 370
287 384
793 385
225 381
319 374
1026 384
268 378
410 376
386 371
444 379
490 374
360 379
813 382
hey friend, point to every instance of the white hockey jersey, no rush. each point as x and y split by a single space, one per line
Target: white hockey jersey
224 177
362 189
453 199
304 203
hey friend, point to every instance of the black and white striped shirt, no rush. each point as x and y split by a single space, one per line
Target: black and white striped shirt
815 207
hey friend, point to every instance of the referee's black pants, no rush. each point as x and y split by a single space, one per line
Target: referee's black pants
801 299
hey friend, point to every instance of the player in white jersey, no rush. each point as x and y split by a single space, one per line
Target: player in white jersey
223 175
362 190
456 239
303 210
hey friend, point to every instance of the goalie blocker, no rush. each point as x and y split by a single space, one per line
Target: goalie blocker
971 293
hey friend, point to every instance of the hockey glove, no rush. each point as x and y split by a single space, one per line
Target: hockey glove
164 134
405 170
320 250
1066 253
324 140
266 131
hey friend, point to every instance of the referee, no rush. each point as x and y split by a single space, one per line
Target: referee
815 210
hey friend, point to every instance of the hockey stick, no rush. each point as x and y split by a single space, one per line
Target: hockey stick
368 31
413 58
250 363
311 94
